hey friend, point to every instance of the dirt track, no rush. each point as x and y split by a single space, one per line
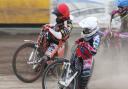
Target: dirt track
110 70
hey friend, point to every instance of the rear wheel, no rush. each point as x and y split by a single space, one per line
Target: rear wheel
53 73
23 63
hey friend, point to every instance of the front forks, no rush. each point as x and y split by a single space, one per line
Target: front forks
68 76
33 55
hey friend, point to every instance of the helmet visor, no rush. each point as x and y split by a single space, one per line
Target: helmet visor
86 31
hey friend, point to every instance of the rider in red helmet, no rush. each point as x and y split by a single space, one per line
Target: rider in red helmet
62 13
61 30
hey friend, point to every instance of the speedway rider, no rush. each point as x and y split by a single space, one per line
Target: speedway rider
61 30
91 36
122 12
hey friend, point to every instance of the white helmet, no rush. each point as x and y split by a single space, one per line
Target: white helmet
89 25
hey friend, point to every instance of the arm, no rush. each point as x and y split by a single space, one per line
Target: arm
96 43
69 24
121 11
115 12
57 35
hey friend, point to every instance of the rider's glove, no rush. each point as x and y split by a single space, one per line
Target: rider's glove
79 40
46 27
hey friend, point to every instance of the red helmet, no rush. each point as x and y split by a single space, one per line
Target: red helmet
62 10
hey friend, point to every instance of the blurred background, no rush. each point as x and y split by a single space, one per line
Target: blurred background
84 8
22 20
35 13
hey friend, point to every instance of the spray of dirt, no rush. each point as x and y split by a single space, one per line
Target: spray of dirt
111 69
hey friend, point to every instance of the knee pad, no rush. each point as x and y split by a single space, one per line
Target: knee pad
87 68
86 72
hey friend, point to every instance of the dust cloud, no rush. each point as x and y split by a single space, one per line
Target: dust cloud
111 69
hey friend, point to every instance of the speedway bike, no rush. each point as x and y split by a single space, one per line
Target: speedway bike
28 63
66 72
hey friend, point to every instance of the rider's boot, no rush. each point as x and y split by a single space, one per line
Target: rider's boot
43 59
85 74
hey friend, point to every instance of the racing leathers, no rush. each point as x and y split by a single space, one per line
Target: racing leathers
123 13
86 63
57 33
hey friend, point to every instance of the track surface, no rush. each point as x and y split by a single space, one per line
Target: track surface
110 70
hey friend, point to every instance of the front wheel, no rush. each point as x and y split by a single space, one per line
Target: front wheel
53 73
23 63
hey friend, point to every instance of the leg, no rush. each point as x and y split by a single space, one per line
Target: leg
85 74
83 81
51 51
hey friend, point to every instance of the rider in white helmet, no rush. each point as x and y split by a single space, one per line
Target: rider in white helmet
91 35
90 26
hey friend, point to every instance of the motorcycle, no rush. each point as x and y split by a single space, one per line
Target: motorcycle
28 63
66 72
